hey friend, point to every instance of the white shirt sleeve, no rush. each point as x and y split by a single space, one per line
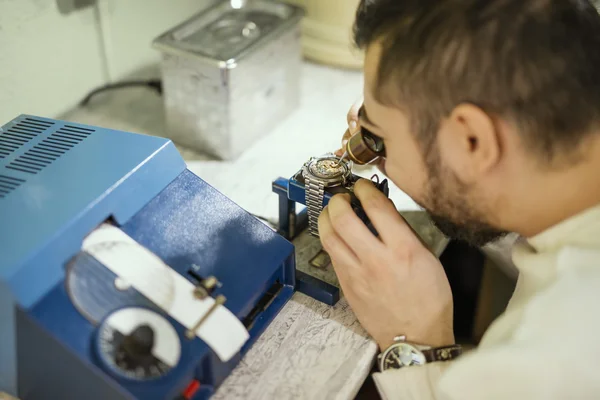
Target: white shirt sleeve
553 352
544 347
416 382
541 370
530 371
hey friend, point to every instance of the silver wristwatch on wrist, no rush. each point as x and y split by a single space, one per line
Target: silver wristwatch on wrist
402 354
320 173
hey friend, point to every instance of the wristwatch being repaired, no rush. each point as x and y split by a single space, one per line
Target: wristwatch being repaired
402 354
320 173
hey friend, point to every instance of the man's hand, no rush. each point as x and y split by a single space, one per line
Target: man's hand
353 126
394 285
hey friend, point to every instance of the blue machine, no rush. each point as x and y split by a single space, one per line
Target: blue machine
59 182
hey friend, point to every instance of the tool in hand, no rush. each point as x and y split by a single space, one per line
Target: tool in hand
343 157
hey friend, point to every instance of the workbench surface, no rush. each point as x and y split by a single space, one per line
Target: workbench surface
311 350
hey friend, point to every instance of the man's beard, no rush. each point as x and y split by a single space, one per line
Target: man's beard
449 207
473 232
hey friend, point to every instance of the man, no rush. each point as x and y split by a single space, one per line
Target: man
490 114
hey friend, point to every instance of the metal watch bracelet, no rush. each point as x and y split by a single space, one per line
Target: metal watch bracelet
314 193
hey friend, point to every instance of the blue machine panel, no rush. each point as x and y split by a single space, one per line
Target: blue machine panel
74 185
58 182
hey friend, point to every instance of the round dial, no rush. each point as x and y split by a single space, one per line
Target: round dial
402 355
95 290
328 169
138 344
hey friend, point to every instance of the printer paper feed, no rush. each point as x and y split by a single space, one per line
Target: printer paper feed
148 274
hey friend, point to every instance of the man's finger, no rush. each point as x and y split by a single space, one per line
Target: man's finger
342 256
382 213
353 113
351 229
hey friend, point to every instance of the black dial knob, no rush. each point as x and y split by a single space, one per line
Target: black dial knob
146 350
138 344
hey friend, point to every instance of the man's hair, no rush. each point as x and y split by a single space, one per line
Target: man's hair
535 63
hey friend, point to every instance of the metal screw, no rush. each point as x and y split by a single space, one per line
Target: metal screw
200 292
206 286
210 282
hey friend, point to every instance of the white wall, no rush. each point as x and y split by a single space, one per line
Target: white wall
129 26
49 61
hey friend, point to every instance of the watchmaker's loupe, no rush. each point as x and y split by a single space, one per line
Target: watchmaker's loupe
364 147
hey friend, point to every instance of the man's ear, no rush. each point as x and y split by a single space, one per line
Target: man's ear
469 143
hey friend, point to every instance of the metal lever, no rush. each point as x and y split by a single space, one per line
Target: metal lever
191 333
206 287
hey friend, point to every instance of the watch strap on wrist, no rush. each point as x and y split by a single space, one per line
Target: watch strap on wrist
314 194
427 354
444 353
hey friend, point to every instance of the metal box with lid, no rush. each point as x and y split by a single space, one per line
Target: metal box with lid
231 74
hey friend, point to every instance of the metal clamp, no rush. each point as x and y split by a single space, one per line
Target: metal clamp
219 300
201 292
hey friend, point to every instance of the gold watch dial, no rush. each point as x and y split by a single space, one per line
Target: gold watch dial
329 168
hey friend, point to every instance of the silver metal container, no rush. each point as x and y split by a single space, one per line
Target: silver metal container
231 74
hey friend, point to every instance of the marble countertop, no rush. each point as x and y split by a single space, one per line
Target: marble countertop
311 350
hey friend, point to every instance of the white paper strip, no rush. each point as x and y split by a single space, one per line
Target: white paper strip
148 274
